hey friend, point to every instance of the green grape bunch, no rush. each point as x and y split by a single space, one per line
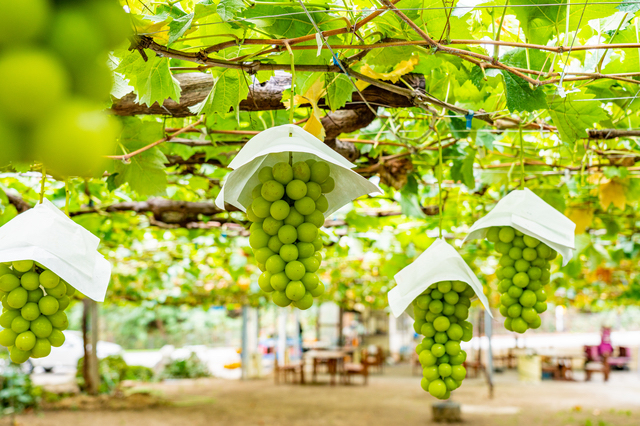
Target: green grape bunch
523 273
440 314
287 211
56 81
33 303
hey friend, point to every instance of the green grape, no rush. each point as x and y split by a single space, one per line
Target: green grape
430 373
25 341
38 83
317 243
506 234
272 190
301 171
294 218
261 207
314 190
255 227
287 234
70 290
258 239
30 311
264 281
8 337
515 291
279 281
318 291
307 232
262 254
455 332
275 264
271 226
441 323
328 185
451 297
295 270
41 349
295 290
311 264
280 210
282 172
310 281
427 329
22 265
493 234
20 324
252 216
58 291
281 299
48 305
59 320
305 206
257 192
48 279
265 174
296 189
438 389
427 359
7 318
305 303
436 306
316 218
305 249
519 325
288 253
56 338
19 356
322 204
274 243
514 310
30 281
9 282
17 298
458 373
320 172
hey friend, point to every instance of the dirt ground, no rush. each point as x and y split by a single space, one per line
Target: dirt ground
394 398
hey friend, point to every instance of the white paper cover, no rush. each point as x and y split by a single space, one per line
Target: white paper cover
531 215
440 262
273 146
46 235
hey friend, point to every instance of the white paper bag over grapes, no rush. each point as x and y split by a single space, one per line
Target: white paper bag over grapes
439 286
44 258
528 234
288 181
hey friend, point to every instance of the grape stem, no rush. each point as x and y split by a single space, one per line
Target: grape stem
42 182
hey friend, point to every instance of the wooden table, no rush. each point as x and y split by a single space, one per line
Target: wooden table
560 366
333 360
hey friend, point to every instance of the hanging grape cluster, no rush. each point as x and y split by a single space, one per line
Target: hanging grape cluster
287 211
440 314
56 81
33 301
523 272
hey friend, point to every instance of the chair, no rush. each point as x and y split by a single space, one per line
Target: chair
596 363
350 369
287 370
376 358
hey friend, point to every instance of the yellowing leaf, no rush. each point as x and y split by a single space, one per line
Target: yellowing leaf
311 96
314 125
404 67
612 192
581 217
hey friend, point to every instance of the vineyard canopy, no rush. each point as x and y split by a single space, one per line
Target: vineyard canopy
507 93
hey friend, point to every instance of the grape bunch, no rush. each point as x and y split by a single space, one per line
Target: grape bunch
287 211
440 314
33 301
523 272
56 81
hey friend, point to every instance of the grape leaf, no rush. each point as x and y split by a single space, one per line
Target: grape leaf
227 9
179 26
463 170
229 88
627 61
339 91
152 80
629 6
574 114
520 97
145 172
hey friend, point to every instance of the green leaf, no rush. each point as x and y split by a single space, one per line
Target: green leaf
152 80
227 9
629 6
339 91
485 139
520 96
463 170
229 88
574 114
410 205
179 26
145 172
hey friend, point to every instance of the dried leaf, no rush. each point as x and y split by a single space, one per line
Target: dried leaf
403 67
